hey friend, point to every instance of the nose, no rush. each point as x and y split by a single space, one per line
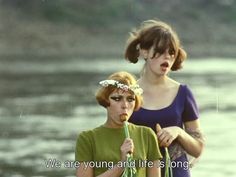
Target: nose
167 54
124 104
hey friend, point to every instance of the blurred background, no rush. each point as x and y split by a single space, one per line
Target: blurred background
54 52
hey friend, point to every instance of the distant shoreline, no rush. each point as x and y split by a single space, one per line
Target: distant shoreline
26 35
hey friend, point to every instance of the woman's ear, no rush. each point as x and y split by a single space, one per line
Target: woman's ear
143 53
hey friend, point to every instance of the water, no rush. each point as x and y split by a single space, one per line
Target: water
45 104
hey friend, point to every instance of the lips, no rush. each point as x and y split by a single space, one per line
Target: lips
123 117
165 65
124 114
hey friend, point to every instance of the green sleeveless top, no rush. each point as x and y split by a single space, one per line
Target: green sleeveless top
100 148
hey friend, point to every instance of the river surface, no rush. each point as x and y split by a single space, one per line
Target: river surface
46 102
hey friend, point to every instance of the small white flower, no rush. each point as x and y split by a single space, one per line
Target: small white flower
134 88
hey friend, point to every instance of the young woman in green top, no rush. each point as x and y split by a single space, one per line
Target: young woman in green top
103 151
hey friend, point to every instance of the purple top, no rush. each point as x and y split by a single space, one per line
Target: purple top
182 109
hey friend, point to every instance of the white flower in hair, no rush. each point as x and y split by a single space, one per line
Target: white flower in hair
123 86
134 88
105 83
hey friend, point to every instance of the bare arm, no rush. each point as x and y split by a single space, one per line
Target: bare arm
86 171
154 171
192 146
82 171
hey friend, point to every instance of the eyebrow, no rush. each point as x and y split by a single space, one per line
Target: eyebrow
121 95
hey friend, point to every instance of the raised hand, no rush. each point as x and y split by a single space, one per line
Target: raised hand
167 135
126 147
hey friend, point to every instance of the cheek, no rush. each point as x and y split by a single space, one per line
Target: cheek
172 62
115 109
131 106
155 60
112 109
154 63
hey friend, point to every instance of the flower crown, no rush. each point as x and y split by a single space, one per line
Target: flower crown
134 88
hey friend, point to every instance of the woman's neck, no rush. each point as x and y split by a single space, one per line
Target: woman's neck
110 124
153 80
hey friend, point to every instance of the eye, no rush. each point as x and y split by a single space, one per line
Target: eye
156 55
172 52
116 98
131 99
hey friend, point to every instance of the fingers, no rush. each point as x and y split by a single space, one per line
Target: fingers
127 147
165 139
166 142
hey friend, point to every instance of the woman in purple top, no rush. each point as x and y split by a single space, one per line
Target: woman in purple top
166 101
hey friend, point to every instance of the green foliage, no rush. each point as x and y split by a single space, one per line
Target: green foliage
202 25
106 12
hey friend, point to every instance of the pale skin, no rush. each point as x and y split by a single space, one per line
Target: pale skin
121 104
158 86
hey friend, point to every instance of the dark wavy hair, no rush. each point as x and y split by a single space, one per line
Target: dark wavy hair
158 35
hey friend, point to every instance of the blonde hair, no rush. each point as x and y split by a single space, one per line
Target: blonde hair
123 77
155 34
